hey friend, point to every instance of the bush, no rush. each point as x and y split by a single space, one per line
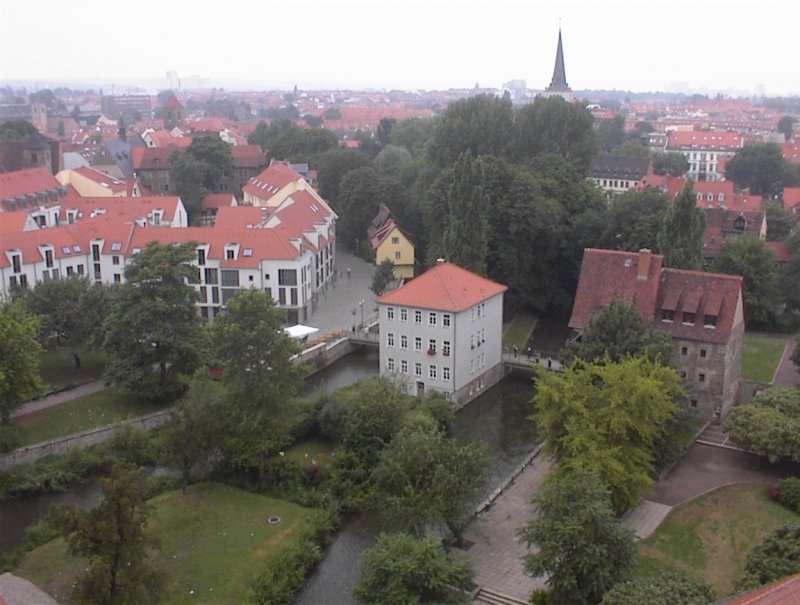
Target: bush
35 536
789 493
164 482
9 438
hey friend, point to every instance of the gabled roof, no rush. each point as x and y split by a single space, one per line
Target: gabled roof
721 221
445 287
616 167
26 182
705 140
271 180
609 274
171 102
217 200
152 158
791 199
781 592
248 156
102 179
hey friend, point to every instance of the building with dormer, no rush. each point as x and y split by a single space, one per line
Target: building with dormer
389 242
442 332
702 313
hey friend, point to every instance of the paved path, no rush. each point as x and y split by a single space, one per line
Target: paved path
787 373
496 553
646 518
59 398
17 591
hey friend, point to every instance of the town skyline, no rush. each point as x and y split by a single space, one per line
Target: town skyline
692 48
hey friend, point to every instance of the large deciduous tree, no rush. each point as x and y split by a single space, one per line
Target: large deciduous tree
761 167
403 570
360 192
382 276
681 237
581 546
198 170
786 127
769 424
153 333
670 164
112 536
608 417
72 312
634 220
618 331
425 479
19 358
749 257
333 165
262 381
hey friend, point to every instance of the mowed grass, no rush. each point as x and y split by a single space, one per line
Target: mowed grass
519 331
84 413
322 451
214 540
59 371
760 357
710 537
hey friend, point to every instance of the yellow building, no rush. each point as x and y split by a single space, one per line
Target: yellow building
389 241
93 183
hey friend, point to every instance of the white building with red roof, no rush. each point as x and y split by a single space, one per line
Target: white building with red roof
442 332
706 151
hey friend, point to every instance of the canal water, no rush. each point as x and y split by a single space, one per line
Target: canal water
498 418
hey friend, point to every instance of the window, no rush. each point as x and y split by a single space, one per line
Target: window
211 276
688 318
701 377
79 268
287 277
390 313
230 253
445 373
703 353
70 271
16 263
710 321
684 351
683 374
76 248
23 281
65 250
390 364
431 319
418 344
390 339
403 341
230 277
432 372
417 369
115 260
117 278
417 317
693 403
446 348
395 240
667 315
116 247
432 346
403 366
446 320
397 255
95 252
48 258
403 314
247 252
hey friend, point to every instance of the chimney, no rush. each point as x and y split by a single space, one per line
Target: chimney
644 264
440 261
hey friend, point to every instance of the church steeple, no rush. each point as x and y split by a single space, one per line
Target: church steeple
559 82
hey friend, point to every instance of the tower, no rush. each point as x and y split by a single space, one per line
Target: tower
558 85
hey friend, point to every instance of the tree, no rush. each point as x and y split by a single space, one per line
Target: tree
630 148
17 130
298 144
779 222
357 204
607 417
778 556
402 570
312 121
382 276
749 257
667 588
72 312
333 165
761 167
384 130
19 358
616 332
153 333
582 547
612 132
551 125
634 220
412 133
424 479
112 537
195 423
391 158
769 425
255 354
681 237
670 164
332 113
785 127
186 181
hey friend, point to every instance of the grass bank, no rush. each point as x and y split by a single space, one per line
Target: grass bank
58 371
84 413
709 538
214 540
520 330
760 357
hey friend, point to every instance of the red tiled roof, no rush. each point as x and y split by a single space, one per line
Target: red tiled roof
271 180
711 139
782 592
248 156
445 287
171 102
722 221
780 251
121 208
791 199
609 274
101 178
217 200
152 158
791 152
28 181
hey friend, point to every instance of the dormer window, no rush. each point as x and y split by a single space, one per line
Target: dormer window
688 318
739 223
247 252
76 248
201 256
66 250
667 315
230 254
116 247
16 263
710 321
721 197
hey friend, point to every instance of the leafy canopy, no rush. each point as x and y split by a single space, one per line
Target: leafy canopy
19 358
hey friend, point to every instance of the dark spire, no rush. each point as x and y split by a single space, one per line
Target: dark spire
559 81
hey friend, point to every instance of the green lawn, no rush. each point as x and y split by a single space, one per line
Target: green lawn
59 371
709 538
99 409
760 357
519 331
214 540
551 333
317 449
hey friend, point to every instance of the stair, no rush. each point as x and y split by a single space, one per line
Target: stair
494 597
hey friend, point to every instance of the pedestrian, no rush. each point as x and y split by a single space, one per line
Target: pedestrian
348 272
530 353
549 363
516 350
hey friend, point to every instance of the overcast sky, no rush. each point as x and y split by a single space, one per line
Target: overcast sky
644 45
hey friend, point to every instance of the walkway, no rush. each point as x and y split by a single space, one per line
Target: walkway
18 591
59 398
787 374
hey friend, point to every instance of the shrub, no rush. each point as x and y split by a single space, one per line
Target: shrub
35 536
789 493
9 438
164 482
